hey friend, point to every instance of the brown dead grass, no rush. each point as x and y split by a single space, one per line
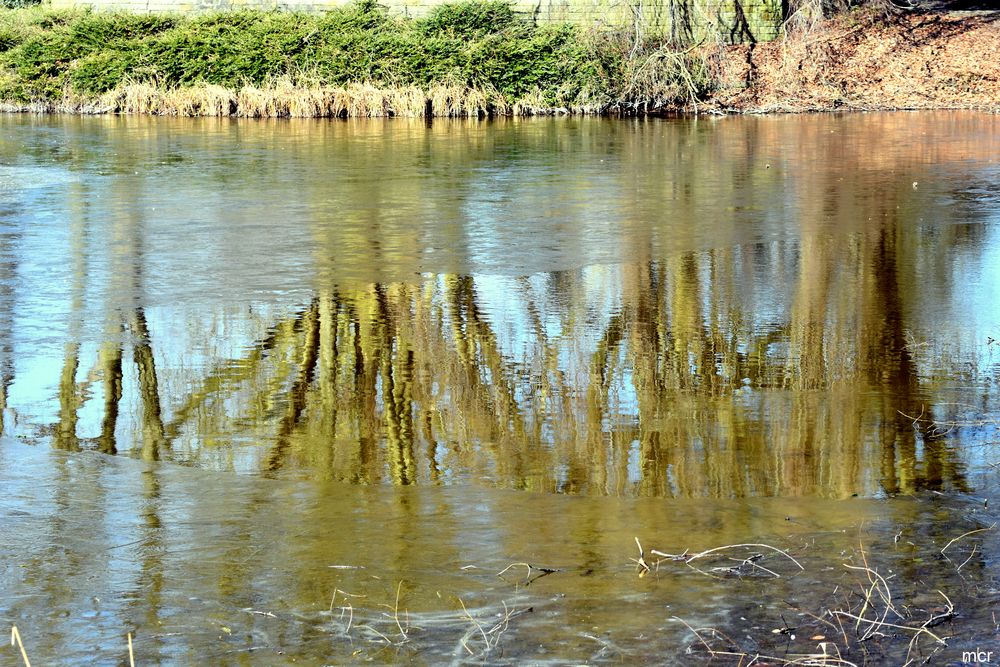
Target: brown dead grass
868 62
286 97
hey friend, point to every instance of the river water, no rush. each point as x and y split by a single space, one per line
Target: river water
325 392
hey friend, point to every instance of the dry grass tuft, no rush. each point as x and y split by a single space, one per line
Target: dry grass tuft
453 99
291 97
204 100
533 104
137 97
408 101
447 100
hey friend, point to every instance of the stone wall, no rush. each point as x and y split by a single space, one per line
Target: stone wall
730 20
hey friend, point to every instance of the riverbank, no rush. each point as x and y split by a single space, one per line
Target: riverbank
465 59
478 59
867 62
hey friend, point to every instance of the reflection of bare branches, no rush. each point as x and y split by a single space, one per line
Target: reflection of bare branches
152 419
6 365
110 361
672 395
939 427
69 401
375 360
480 334
295 402
227 376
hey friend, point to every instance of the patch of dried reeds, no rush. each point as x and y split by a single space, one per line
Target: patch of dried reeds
455 100
291 97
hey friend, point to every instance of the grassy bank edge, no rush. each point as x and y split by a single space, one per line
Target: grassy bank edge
370 101
471 58
274 64
283 98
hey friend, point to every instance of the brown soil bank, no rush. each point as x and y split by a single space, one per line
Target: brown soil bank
925 60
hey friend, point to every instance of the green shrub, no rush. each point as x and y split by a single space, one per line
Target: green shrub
100 72
9 38
94 32
482 45
17 4
471 19
361 16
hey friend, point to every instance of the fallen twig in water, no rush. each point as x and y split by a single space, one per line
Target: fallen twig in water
744 546
477 626
15 640
966 534
344 593
349 609
942 426
696 634
641 560
491 637
747 564
882 623
947 614
824 659
804 660
975 547
871 619
645 568
885 624
877 583
395 613
529 579
384 638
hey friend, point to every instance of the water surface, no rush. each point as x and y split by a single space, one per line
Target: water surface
248 364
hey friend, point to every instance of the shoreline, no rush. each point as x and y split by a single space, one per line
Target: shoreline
178 104
859 61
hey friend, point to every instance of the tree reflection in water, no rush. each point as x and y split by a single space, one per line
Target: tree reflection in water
678 390
713 362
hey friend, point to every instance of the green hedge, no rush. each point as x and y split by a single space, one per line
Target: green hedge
484 45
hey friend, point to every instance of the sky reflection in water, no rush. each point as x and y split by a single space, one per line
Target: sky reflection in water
724 313
700 307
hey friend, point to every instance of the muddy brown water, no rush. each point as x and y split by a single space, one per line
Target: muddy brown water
296 392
